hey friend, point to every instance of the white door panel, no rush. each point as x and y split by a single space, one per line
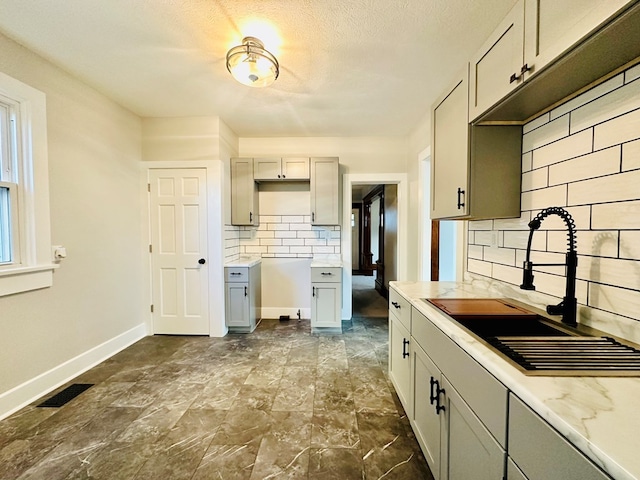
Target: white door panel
179 240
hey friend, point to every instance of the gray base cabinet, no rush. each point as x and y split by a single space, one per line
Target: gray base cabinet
326 297
532 439
242 298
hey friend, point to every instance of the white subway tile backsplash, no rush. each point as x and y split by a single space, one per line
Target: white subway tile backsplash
596 243
533 124
265 234
475 251
545 197
622 215
277 249
278 226
270 219
612 188
546 134
319 249
589 150
480 267
285 234
610 271
527 161
602 109
564 149
293 218
301 250
505 256
631 155
300 226
603 162
632 74
507 274
630 244
535 179
269 242
621 129
293 241
586 97
481 225
616 300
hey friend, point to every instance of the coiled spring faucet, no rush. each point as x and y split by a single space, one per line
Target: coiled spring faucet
568 307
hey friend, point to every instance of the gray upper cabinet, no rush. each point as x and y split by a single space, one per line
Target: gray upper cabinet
325 191
475 171
244 193
532 36
495 68
450 151
293 168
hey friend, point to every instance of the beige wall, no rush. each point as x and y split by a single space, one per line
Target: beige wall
390 233
94 155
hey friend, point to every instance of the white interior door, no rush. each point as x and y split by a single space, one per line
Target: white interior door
178 214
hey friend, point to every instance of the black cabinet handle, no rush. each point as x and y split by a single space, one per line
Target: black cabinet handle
460 194
396 304
235 273
251 217
405 342
514 78
435 396
326 273
245 291
278 176
313 292
284 176
525 68
202 261
313 216
432 397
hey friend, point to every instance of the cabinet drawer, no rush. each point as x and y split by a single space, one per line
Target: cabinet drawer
327 275
486 396
532 439
400 308
236 274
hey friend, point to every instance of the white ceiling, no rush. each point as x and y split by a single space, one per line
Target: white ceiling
348 67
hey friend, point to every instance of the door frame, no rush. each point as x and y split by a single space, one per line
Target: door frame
348 180
215 229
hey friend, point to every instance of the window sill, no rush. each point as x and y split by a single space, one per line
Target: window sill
25 279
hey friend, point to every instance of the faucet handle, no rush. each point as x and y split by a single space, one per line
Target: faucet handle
527 276
555 309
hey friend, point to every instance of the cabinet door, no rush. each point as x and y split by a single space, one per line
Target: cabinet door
532 439
324 191
450 151
424 418
325 305
495 68
237 304
295 168
553 27
267 168
244 193
469 450
400 362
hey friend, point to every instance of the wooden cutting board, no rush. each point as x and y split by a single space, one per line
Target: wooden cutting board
457 307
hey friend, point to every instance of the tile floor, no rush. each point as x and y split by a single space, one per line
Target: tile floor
278 403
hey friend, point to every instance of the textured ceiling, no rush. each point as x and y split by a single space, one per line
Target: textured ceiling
348 67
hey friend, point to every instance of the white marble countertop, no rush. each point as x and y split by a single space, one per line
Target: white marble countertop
598 415
244 261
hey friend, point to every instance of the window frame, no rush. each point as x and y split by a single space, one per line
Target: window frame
31 267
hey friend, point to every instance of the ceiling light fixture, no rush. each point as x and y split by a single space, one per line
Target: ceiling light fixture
251 64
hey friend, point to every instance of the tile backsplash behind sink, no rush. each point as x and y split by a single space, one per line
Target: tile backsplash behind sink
584 156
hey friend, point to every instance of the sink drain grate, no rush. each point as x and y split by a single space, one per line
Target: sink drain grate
595 355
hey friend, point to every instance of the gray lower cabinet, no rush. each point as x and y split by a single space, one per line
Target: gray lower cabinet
451 428
531 439
400 359
326 297
242 298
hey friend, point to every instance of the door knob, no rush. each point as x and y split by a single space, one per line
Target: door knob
202 261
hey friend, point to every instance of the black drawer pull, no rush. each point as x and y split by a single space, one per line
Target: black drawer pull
396 304
405 342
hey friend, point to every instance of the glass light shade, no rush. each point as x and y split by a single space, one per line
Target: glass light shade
252 65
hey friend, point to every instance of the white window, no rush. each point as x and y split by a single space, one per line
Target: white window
25 260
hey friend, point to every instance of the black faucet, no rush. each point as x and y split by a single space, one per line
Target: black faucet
568 307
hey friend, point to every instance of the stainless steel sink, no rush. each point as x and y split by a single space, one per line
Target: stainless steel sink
540 346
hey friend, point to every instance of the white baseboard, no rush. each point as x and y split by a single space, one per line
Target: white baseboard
24 394
275 312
